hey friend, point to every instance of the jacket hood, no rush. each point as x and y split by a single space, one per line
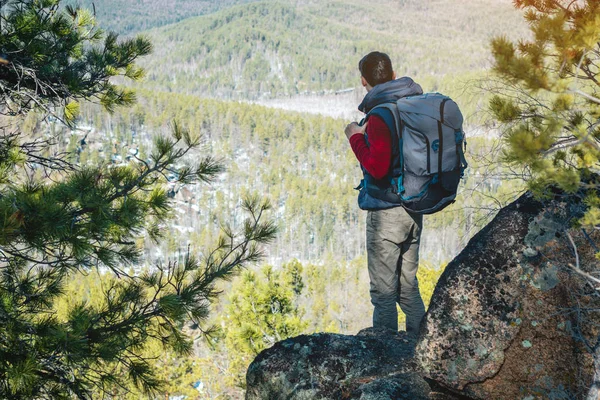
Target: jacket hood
390 92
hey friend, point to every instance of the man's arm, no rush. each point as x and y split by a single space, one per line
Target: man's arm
375 157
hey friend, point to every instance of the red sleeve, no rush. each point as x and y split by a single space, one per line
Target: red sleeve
375 157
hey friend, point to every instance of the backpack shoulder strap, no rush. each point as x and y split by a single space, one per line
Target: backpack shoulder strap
393 109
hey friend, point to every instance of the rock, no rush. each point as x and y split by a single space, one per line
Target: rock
501 324
498 325
374 365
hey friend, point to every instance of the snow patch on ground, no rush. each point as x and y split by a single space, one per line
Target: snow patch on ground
343 104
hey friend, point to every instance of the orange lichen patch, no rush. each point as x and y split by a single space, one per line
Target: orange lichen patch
366 379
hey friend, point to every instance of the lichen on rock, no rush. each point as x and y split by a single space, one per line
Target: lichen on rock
373 365
518 281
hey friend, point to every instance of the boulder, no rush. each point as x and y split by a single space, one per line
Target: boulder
373 365
501 322
510 318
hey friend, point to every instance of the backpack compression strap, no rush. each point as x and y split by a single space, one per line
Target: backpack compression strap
441 138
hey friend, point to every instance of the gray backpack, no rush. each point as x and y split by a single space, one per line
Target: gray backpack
432 159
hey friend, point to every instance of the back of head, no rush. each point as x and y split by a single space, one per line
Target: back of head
376 68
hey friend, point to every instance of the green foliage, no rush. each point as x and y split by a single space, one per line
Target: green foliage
428 277
178 371
56 56
551 104
59 220
262 311
102 211
503 109
293 276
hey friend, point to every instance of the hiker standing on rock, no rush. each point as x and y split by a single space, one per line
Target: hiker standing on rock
393 234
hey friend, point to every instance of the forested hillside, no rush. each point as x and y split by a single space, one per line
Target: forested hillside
271 49
301 162
131 16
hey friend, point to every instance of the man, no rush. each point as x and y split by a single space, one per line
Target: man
393 234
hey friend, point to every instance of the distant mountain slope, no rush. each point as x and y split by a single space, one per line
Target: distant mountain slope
130 16
280 48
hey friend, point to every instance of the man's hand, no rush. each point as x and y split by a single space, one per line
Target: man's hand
353 128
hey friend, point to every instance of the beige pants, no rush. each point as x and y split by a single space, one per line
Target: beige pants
393 237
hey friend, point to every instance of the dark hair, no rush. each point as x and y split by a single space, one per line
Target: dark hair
376 68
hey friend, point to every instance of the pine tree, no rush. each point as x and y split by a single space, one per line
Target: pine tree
550 100
550 106
262 311
59 220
